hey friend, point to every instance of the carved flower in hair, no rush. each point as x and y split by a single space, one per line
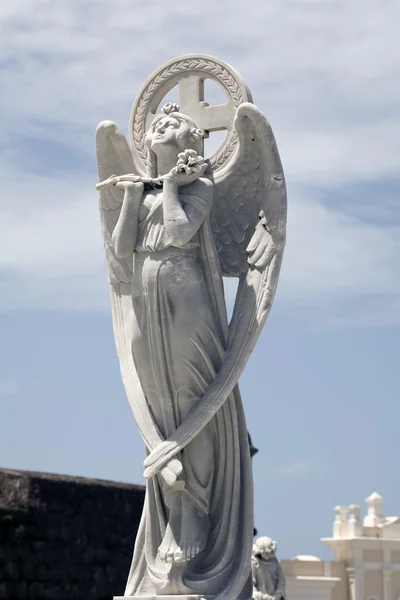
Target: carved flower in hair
189 162
170 107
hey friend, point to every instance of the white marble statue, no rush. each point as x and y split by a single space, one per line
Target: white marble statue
173 225
268 579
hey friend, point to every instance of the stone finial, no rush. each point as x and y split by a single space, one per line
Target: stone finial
340 522
354 526
374 498
374 517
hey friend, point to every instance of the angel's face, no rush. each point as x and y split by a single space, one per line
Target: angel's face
165 133
267 554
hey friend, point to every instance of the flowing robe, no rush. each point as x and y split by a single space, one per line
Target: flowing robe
179 329
268 577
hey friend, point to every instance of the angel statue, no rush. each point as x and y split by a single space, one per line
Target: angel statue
268 579
173 225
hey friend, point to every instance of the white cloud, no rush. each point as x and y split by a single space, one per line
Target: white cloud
340 269
329 251
51 253
324 72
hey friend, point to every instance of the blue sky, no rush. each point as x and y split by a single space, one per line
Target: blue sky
321 389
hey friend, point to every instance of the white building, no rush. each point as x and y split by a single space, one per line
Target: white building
366 563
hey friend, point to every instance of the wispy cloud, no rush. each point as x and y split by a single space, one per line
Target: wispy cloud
324 73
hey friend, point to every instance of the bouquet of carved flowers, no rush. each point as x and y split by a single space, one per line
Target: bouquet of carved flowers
189 162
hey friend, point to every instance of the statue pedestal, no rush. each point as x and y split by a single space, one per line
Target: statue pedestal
187 597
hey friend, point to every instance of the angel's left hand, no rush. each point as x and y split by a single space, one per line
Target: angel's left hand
136 187
181 178
158 457
263 245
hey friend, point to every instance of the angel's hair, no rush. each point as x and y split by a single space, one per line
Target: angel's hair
188 131
265 544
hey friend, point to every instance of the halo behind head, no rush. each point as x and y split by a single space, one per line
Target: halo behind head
173 73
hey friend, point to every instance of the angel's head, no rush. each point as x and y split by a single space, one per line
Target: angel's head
170 133
265 548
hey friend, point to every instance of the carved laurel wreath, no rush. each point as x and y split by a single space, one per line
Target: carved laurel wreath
204 65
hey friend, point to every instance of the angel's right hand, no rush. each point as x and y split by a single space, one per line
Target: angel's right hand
171 472
134 187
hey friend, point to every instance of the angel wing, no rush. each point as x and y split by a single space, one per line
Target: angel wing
114 157
248 221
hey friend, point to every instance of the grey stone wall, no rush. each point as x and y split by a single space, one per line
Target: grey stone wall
65 537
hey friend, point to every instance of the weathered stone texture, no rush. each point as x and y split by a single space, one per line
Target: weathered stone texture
65 537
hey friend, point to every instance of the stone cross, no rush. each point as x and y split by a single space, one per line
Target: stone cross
191 103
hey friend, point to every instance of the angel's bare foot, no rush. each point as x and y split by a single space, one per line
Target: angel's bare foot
194 530
171 537
186 533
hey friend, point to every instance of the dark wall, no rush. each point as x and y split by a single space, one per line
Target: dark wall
65 537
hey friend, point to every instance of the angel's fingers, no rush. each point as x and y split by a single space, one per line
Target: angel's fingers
156 454
203 168
107 182
170 472
259 250
266 257
126 185
169 476
163 460
176 466
255 240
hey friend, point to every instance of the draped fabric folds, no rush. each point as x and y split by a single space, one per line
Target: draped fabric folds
177 353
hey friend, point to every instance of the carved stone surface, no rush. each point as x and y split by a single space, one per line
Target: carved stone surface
173 224
189 73
268 579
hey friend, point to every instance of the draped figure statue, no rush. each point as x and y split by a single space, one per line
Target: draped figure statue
268 579
173 224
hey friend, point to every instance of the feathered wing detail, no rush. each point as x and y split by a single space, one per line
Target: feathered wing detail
114 157
248 221
251 183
